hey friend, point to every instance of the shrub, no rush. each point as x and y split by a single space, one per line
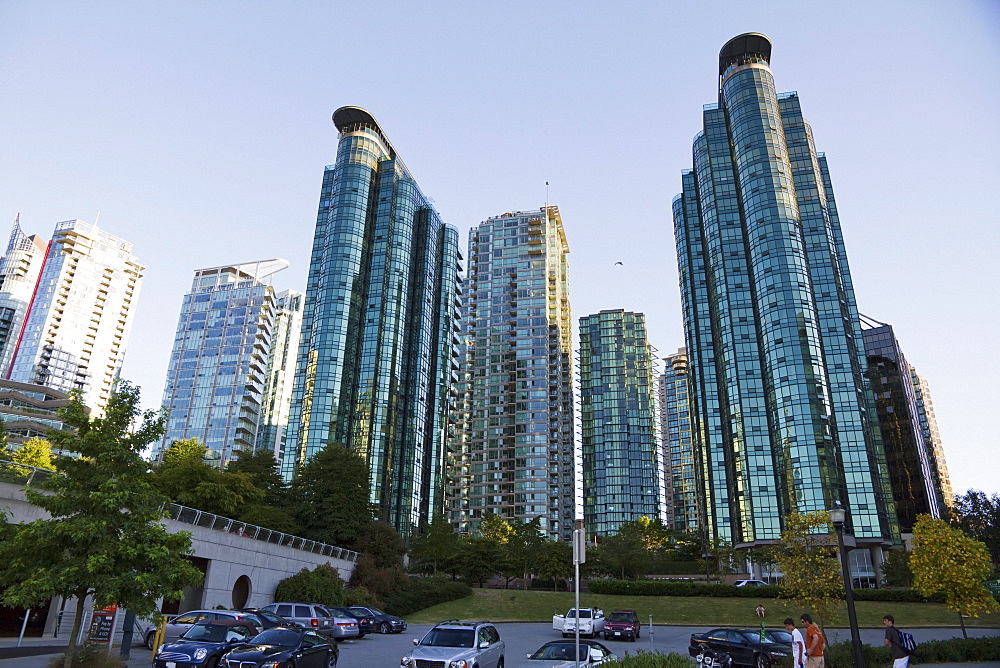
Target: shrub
958 649
360 596
320 585
419 593
642 659
667 588
90 656
896 596
841 655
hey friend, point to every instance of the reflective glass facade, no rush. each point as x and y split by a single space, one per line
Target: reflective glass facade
277 402
19 271
780 402
77 326
375 356
621 458
218 366
929 427
512 448
681 484
909 457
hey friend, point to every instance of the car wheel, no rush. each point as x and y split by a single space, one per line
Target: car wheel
332 661
361 634
149 640
213 662
500 663
632 638
761 661
565 635
385 627
338 639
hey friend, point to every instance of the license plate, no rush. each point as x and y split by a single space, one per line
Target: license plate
171 664
618 633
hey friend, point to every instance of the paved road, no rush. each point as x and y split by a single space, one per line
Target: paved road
520 638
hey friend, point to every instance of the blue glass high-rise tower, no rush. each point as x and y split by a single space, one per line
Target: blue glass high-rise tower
782 412
375 355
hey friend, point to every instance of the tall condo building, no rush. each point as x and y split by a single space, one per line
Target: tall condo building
910 458
782 411
277 402
19 271
929 427
218 367
513 453
375 358
622 473
682 492
77 324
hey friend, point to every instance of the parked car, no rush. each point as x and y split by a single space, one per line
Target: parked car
297 647
455 643
750 583
563 653
316 618
623 625
749 647
386 623
591 622
177 625
267 619
366 623
203 644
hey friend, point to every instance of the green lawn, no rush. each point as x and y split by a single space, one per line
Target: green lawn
501 605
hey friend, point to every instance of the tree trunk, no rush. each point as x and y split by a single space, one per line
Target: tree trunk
965 633
77 622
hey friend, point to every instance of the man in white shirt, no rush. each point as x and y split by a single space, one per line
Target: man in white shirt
798 644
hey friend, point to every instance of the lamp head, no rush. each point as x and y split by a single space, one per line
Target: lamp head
838 515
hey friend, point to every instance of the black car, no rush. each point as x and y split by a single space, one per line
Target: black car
748 647
204 643
385 623
366 623
266 619
297 647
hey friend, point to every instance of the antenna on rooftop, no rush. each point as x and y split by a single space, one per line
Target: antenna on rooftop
546 194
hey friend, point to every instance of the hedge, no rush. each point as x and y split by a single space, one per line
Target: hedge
418 593
643 659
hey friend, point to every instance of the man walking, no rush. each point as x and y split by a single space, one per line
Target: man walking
900 659
814 643
798 645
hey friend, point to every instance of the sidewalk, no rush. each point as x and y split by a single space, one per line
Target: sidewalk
38 652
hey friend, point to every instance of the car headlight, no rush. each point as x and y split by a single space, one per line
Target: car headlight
200 653
461 663
271 664
778 654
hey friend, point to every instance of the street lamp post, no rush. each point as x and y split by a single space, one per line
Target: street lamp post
838 515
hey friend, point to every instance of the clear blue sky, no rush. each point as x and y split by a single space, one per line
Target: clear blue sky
199 131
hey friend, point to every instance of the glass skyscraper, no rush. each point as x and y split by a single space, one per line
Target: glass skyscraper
681 483
80 315
378 326
782 412
929 427
621 464
911 460
511 451
218 366
19 270
277 401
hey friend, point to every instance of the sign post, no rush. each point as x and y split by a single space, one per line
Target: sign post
102 625
579 557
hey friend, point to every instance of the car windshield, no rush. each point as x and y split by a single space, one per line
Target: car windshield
559 651
620 617
449 638
269 616
584 613
278 638
206 633
778 636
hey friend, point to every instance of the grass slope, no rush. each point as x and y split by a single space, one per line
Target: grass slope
507 605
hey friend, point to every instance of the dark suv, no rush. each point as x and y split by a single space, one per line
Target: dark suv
622 625
454 643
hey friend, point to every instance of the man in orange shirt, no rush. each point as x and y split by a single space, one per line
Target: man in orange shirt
814 644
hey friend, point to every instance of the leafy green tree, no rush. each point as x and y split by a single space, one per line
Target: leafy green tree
104 537
35 452
188 480
978 515
555 562
494 527
623 555
812 575
945 559
896 569
323 584
383 544
184 450
478 559
437 548
263 468
521 551
331 497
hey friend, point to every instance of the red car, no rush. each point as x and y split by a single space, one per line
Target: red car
622 625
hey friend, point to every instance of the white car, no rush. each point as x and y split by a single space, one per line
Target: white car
591 622
750 583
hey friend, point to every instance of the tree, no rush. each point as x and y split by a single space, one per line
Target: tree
945 559
521 551
978 515
623 555
331 496
184 450
323 584
35 452
264 470
555 562
896 569
188 480
437 548
478 558
812 576
494 527
105 536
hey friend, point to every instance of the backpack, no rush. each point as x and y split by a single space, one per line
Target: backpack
907 642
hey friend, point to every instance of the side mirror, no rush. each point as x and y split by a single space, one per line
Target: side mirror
484 644
416 641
